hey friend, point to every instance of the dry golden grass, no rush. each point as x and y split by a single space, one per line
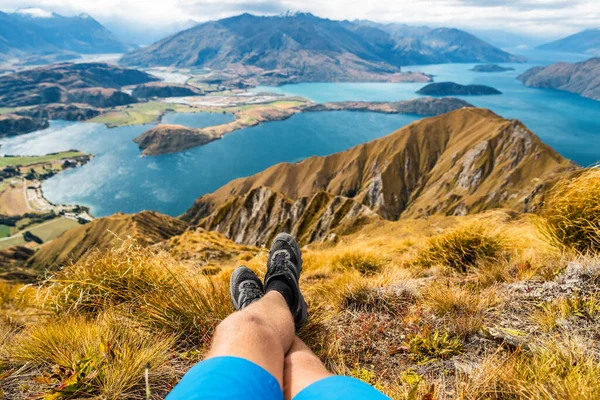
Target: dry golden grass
463 309
374 313
104 357
555 370
464 247
551 314
571 218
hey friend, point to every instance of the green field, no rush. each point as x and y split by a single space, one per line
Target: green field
140 113
25 161
4 231
46 231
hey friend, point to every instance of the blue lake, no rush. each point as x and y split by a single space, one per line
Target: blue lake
119 180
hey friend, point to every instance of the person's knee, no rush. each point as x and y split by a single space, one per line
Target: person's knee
303 359
242 322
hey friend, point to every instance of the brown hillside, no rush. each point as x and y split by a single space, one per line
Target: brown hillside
147 228
458 163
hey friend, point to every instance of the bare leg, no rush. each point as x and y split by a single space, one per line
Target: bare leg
262 333
302 368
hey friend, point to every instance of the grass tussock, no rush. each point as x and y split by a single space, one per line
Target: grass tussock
571 217
553 314
463 310
364 262
146 284
462 248
105 357
554 370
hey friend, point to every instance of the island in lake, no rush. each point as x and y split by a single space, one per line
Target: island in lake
491 68
455 89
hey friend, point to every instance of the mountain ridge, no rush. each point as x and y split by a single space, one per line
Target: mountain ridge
459 163
313 48
30 33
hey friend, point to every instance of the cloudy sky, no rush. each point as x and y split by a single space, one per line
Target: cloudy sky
544 18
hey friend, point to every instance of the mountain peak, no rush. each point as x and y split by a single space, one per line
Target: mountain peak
34 12
84 16
294 14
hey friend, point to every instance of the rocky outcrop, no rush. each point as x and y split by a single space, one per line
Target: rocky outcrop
455 89
257 217
12 125
582 78
165 139
65 112
421 106
163 89
458 163
147 228
491 68
63 83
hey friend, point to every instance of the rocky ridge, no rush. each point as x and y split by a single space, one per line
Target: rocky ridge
463 162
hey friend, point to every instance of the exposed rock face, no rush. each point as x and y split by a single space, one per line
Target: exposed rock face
147 228
163 89
257 217
454 89
491 68
66 112
12 125
421 106
582 78
165 139
64 82
462 162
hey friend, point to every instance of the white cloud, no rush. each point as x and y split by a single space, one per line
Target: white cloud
551 18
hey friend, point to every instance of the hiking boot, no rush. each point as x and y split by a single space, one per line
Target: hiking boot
285 264
245 287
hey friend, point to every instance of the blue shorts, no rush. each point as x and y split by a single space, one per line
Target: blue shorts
223 378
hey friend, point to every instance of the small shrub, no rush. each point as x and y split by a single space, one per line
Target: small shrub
365 263
571 217
430 346
462 248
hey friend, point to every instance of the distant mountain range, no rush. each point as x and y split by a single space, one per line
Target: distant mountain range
582 78
587 41
36 31
317 49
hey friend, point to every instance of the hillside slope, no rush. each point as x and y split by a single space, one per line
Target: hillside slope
68 83
256 218
303 47
147 228
587 41
462 162
582 78
33 30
